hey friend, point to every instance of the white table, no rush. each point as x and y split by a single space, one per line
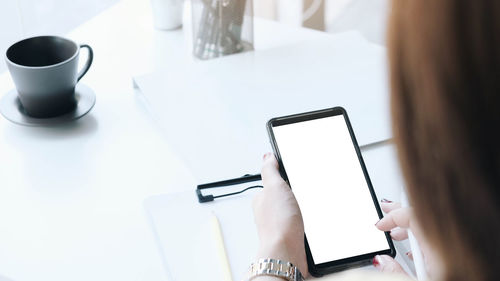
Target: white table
71 196
214 112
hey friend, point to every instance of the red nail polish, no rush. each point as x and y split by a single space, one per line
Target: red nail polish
385 201
375 262
264 156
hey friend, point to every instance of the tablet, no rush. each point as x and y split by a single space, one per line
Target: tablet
320 159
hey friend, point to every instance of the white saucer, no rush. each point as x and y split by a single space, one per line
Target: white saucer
12 110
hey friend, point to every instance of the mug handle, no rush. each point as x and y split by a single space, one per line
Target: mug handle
87 65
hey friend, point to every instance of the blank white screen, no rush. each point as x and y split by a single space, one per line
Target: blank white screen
327 179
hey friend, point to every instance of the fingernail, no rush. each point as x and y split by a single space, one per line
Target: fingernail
378 222
375 262
266 155
385 201
409 254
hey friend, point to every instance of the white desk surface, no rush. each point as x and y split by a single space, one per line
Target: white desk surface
214 113
71 196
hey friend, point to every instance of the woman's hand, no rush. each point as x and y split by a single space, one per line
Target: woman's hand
278 218
398 221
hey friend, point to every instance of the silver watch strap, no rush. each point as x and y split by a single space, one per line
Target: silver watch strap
274 267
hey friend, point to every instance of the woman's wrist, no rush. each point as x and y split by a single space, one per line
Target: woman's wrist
276 249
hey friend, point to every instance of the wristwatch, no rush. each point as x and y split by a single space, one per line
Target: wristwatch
274 267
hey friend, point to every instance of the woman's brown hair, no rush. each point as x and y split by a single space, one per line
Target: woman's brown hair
445 83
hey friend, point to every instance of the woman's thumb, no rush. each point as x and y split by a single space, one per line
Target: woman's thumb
387 264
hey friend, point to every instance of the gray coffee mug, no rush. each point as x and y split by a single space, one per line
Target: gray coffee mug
44 70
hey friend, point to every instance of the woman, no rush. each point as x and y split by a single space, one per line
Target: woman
445 89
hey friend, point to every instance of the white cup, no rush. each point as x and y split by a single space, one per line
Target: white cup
167 14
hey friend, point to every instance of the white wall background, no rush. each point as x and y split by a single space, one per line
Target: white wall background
24 18
366 16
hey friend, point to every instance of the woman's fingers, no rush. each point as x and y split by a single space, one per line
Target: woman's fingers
399 234
387 264
388 206
396 218
270 174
